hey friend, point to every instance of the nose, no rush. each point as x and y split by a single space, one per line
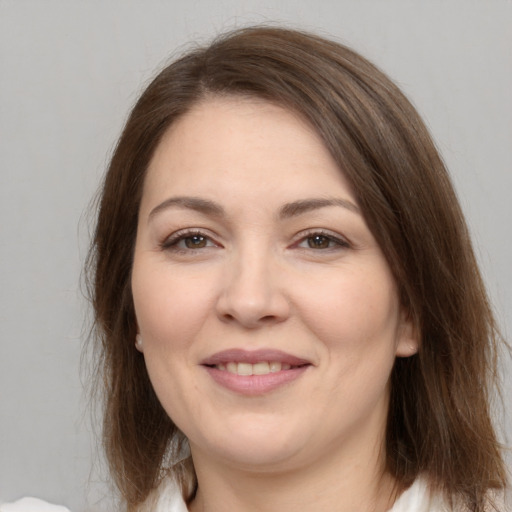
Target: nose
252 295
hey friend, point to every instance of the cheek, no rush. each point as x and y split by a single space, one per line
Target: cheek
170 309
356 322
356 312
169 315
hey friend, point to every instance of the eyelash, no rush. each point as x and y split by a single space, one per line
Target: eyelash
337 241
172 242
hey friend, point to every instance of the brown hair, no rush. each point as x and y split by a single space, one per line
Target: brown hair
439 421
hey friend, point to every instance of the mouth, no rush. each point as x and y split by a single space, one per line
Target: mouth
254 372
259 368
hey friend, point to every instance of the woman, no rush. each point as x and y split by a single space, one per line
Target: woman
288 307
279 239
283 277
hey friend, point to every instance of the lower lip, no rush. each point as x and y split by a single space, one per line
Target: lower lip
253 385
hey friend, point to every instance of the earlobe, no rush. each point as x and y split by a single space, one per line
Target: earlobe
138 343
406 349
408 339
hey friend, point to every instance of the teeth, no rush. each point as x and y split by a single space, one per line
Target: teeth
244 369
259 368
275 367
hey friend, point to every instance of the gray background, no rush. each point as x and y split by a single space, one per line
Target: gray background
70 70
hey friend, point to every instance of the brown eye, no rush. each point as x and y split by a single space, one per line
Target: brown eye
195 242
187 241
318 242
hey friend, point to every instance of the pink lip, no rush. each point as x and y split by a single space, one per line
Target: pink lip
253 357
254 385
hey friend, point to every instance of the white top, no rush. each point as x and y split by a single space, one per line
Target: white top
415 499
31 505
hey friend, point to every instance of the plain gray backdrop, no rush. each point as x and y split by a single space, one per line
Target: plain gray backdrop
69 72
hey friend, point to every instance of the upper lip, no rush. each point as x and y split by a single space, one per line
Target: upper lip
253 357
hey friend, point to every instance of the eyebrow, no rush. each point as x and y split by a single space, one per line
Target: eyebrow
306 205
293 209
198 204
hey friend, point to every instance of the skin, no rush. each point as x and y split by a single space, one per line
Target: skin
314 284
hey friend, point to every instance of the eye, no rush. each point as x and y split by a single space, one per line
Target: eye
183 241
194 242
322 241
318 242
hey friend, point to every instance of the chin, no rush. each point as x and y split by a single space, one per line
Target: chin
258 458
255 445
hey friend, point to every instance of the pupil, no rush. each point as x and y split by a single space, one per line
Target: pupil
196 241
318 242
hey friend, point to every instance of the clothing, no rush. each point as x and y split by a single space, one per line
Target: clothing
415 499
419 499
31 505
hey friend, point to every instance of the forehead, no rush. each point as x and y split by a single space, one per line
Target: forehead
242 144
228 125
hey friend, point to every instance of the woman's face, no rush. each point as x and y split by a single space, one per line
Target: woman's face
269 317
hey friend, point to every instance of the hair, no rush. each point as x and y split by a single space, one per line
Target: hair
439 422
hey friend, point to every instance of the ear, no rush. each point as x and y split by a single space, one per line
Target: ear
408 340
138 343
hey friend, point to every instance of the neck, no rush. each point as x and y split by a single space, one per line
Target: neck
356 483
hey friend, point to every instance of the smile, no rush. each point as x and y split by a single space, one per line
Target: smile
254 372
259 368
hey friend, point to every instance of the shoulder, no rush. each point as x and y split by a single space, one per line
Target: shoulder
419 498
31 505
166 498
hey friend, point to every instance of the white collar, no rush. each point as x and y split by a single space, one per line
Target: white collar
415 499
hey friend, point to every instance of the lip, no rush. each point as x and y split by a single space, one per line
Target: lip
253 357
253 385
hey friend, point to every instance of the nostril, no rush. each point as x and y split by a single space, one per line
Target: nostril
251 307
